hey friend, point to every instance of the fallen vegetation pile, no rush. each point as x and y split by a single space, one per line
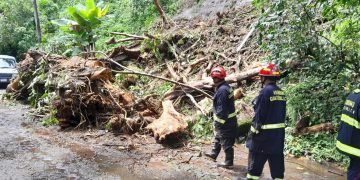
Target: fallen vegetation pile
99 92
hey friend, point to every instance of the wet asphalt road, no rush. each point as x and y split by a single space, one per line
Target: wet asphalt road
26 153
30 151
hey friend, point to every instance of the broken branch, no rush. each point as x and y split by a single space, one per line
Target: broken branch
195 103
165 79
161 12
172 71
128 35
129 71
194 64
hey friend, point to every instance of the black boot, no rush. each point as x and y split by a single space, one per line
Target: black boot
211 155
227 164
215 150
229 157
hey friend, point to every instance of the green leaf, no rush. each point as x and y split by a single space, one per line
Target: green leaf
80 20
104 11
62 22
71 10
93 16
90 4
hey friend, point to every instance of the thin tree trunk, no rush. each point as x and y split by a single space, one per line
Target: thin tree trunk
37 21
161 12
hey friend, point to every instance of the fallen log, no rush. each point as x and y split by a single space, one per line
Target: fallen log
324 127
207 83
170 122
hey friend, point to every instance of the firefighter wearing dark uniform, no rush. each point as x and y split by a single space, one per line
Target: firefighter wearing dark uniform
224 117
348 140
267 133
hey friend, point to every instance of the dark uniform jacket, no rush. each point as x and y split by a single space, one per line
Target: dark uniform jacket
268 125
348 140
224 111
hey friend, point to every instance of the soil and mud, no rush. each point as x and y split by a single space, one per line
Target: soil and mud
30 151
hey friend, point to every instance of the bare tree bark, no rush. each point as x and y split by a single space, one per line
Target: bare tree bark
161 12
207 83
37 21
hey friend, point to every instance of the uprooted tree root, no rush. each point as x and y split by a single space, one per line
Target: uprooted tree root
86 96
170 122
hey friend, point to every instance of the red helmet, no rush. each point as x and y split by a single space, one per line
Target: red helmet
218 72
271 70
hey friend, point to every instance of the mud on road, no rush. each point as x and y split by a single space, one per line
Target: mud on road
30 151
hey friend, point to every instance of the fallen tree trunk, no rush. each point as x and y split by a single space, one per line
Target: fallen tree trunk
207 83
324 127
170 122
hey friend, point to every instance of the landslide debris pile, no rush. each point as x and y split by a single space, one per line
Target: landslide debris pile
83 93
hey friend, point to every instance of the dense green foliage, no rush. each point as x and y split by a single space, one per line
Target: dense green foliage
130 16
318 147
319 43
17 26
84 20
201 127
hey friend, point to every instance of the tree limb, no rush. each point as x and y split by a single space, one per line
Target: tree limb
195 103
128 35
245 39
165 79
161 12
172 71
194 64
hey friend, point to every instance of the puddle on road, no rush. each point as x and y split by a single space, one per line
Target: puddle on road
311 170
104 163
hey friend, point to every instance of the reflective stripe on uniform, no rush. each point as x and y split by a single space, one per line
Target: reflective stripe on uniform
252 129
351 121
249 176
348 149
278 179
219 119
273 126
222 121
357 91
231 94
232 115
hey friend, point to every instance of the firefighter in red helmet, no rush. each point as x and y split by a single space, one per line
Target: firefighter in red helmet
224 117
267 133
